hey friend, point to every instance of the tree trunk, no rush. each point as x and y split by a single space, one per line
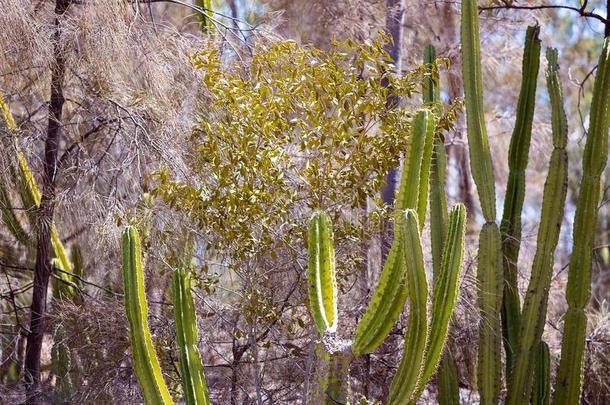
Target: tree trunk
42 268
394 13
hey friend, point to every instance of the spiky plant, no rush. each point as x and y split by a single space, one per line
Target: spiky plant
489 266
145 362
391 292
568 385
533 316
194 386
510 226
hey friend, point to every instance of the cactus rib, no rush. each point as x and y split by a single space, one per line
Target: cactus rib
145 362
533 315
321 273
191 368
510 226
568 385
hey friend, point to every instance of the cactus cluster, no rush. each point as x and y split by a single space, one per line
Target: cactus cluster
145 361
527 357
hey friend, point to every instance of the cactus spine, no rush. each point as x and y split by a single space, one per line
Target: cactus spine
191 368
568 385
145 362
60 368
410 368
390 294
489 267
510 227
533 315
321 273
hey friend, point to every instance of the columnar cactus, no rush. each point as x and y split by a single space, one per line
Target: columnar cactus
390 294
489 266
445 292
416 335
533 316
194 385
447 374
321 273
145 362
510 227
568 385
423 345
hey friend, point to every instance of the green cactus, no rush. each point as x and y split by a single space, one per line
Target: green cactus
541 393
60 368
448 380
445 293
447 375
533 315
489 267
416 335
568 385
390 294
321 273
191 367
145 362
510 226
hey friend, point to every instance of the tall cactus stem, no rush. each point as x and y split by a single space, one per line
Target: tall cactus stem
533 315
489 268
145 362
391 293
409 371
568 386
194 385
510 226
445 293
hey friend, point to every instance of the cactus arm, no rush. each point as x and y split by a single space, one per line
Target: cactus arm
409 190
533 316
568 385
145 362
191 368
447 375
489 267
391 292
480 156
510 226
542 376
445 293
321 273
424 178
411 365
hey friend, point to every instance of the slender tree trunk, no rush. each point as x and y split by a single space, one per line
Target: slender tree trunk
42 269
394 13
